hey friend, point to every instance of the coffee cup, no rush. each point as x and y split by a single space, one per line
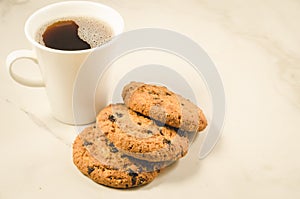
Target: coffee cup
59 67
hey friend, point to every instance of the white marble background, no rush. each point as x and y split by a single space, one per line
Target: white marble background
256 48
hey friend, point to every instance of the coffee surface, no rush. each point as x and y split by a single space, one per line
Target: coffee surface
74 33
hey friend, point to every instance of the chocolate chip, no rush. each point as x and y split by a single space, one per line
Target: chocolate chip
112 149
112 118
149 132
119 115
87 143
168 94
90 169
141 180
166 141
110 144
160 132
133 175
182 153
139 123
133 180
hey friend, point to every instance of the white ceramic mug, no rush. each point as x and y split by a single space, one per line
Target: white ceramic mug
58 67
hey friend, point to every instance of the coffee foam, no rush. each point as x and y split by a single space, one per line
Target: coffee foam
92 30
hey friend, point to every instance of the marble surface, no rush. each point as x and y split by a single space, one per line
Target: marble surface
256 48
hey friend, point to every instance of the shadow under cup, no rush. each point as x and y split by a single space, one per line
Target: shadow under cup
59 67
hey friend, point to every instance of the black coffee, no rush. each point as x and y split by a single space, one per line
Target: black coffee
63 35
74 33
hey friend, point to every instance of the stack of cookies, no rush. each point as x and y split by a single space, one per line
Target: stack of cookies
132 142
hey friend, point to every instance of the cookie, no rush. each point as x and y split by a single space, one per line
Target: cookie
161 104
99 159
141 137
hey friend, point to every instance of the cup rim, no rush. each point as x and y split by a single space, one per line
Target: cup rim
38 45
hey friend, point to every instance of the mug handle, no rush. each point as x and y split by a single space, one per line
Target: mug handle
22 54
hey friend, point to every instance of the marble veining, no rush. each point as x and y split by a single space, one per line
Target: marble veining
35 119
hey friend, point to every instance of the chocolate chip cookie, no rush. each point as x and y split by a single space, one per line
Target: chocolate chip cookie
141 137
98 158
161 104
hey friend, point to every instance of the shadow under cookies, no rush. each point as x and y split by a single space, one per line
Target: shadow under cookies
182 169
